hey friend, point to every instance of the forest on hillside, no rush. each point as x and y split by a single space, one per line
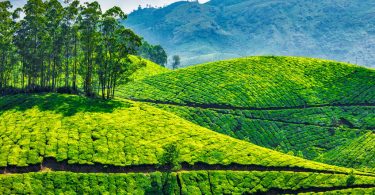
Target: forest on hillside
48 46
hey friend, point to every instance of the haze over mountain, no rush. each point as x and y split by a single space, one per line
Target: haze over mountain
342 30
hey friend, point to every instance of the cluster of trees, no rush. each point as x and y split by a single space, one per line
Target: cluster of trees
64 47
155 53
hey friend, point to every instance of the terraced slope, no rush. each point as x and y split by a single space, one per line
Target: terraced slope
63 144
305 106
299 134
261 82
357 153
120 133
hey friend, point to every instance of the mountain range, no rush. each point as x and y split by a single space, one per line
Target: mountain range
342 30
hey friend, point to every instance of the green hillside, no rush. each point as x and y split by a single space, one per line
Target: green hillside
300 134
68 139
357 153
261 82
306 106
121 133
150 69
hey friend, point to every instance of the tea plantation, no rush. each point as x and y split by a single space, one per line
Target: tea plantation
307 107
261 82
184 182
265 125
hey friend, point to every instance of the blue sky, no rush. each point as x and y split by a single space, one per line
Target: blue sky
126 5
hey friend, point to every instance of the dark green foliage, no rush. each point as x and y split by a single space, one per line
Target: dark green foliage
66 105
351 179
170 156
65 49
155 53
176 62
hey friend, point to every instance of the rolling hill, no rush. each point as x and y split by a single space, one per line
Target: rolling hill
336 29
307 107
54 143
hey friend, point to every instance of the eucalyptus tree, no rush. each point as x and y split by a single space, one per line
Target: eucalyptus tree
70 37
52 46
117 43
55 13
122 67
29 39
6 35
89 28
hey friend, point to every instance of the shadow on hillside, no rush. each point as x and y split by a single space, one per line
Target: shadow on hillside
67 105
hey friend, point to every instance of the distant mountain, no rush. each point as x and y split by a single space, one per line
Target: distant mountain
342 30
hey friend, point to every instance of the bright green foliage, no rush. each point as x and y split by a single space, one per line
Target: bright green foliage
194 182
346 191
73 183
342 90
261 82
117 133
150 69
358 153
229 182
273 129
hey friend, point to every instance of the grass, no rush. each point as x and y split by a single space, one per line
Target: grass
261 82
192 182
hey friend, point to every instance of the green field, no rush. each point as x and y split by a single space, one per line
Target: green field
176 132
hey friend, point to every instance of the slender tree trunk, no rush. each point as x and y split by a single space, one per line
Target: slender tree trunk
75 65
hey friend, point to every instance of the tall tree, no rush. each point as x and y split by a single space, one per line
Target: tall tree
89 25
54 34
5 41
118 43
176 62
53 46
29 40
70 15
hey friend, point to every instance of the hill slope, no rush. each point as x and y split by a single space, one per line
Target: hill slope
334 29
83 131
300 105
150 69
261 82
68 139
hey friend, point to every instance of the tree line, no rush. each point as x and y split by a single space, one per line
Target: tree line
65 47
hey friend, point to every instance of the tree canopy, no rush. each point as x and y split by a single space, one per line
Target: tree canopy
68 47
